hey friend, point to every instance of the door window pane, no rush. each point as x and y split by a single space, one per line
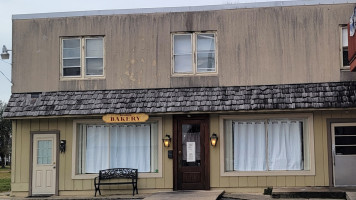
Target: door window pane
345 140
44 152
191 144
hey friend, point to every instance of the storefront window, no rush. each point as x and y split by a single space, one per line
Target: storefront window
103 146
264 145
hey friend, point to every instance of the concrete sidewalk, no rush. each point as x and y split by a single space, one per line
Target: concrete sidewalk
187 195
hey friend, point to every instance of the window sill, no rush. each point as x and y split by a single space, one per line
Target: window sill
271 173
192 75
82 78
92 176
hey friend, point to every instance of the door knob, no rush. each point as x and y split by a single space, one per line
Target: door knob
54 167
179 152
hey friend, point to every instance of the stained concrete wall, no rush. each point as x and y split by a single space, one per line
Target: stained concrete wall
256 46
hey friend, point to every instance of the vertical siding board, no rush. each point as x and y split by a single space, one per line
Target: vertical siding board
19 149
319 159
261 181
233 181
13 149
252 181
52 124
25 151
160 182
44 124
88 184
215 153
281 181
78 184
243 181
300 181
290 181
224 181
167 164
68 155
151 183
35 125
271 181
62 157
309 181
325 146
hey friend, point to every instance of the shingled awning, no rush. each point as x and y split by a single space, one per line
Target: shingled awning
173 100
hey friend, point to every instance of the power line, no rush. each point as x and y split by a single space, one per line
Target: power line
5 76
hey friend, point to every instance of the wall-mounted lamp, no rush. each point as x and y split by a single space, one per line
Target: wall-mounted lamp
167 141
5 53
213 139
62 146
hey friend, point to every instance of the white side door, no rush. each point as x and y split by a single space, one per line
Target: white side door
44 164
344 153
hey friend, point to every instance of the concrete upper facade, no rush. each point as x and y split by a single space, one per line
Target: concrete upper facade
254 46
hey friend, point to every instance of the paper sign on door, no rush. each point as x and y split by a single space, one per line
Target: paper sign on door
190 151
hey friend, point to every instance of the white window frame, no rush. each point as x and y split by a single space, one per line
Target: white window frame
194 54
342 67
75 156
309 145
83 57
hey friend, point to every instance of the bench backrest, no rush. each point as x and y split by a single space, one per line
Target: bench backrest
118 173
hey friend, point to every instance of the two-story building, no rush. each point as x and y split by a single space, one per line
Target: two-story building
268 79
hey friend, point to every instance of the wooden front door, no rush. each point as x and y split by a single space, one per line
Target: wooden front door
191 153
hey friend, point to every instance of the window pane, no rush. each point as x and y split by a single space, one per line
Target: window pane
130 147
249 146
97 148
94 66
205 53
182 44
71 53
72 71
71 62
206 62
183 64
94 48
206 43
191 139
344 37
285 145
71 43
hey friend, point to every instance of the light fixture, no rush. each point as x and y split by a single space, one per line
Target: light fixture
213 139
5 53
62 146
167 140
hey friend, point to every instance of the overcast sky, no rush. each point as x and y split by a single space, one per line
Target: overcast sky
11 7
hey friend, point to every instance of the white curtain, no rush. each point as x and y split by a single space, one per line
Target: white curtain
285 145
249 146
97 148
130 147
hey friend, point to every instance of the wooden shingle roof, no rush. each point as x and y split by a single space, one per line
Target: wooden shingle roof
173 100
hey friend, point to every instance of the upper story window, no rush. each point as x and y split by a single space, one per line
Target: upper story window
194 53
344 47
82 57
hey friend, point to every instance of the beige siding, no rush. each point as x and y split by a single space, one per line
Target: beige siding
254 47
21 155
321 177
21 162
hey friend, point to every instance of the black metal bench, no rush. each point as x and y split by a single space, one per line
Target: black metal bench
116 173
